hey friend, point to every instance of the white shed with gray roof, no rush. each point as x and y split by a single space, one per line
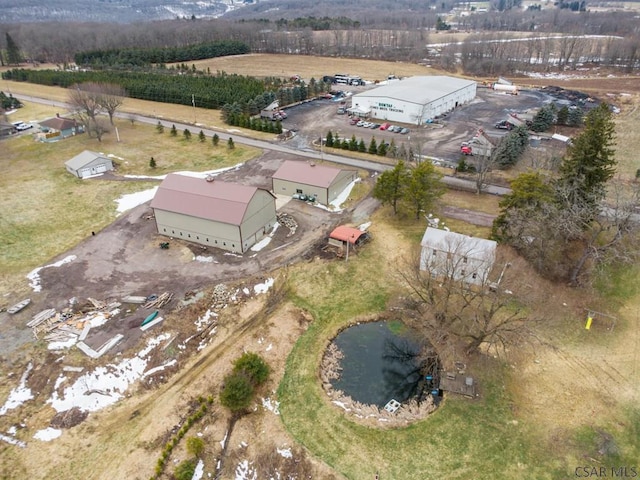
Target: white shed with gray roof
415 100
88 163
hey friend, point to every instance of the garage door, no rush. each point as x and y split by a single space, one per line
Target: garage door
101 168
84 172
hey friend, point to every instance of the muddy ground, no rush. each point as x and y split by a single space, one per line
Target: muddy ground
125 259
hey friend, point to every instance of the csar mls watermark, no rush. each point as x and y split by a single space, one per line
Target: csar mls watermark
606 472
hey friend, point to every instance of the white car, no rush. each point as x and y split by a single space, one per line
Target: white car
22 126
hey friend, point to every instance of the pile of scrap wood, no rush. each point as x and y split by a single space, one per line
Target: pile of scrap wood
68 325
160 301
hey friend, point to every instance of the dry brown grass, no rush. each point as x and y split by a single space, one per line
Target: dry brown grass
46 210
284 66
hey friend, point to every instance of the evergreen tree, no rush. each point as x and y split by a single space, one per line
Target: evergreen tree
230 144
215 139
361 146
174 131
382 149
389 187
423 188
152 163
353 144
576 117
373 146
590 160
13 51
159 127
201 136
187 134
329 141
543 119
563 116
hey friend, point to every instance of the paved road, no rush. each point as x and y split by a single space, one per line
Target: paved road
453 182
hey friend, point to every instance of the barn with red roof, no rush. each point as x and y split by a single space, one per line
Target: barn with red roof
219 214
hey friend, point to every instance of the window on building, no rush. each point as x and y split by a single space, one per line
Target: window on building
298 190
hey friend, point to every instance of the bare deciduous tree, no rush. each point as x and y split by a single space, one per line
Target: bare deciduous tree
448 305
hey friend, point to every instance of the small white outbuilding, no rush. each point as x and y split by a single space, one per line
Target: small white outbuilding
88 163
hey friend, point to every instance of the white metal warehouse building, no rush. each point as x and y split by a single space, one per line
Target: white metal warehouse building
415 100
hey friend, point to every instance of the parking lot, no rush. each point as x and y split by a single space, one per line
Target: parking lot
441 140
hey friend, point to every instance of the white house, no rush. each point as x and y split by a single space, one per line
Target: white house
456 256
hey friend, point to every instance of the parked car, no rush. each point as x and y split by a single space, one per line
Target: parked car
20 126
504 125
395 129
360 123
374 125
466 149
354 120
404 131
385 126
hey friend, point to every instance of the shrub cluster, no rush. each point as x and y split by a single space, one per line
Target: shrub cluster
175 439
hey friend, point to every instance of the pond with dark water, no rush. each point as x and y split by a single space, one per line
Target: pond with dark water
382 361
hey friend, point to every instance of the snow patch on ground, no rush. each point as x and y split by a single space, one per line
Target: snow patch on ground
263 287
19 394
47 434
336 205
271 405
261 244
12 441
203 259
34 275
199 471
132 200
285 452
244 471
188 173
106 385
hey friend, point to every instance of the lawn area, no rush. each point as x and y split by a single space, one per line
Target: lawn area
463 439
47 211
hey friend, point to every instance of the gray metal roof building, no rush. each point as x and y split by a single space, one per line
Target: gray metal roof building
320 181
225 215
88 163
415 100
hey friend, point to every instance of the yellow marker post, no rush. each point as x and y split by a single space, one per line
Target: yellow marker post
589 321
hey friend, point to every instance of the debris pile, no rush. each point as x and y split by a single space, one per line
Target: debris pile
288 221
154 301
66 326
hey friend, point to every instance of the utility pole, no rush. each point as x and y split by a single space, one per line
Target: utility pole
193 102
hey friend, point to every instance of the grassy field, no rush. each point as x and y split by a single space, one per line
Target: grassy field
533 420
463 439
46 210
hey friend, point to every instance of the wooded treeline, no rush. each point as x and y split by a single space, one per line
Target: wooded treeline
145 56
502 42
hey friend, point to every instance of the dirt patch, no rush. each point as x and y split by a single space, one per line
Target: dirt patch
125 259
